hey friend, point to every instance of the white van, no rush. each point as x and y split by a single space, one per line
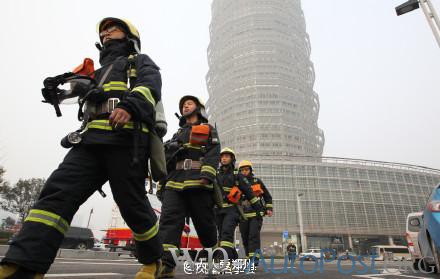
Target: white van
390 252
413 225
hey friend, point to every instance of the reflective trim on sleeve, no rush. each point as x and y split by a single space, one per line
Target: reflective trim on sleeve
208 169
269 205
48 218
104 124
224 205
152 232
254 200
145 91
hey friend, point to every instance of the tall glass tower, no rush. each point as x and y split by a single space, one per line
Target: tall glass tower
260 85
260 79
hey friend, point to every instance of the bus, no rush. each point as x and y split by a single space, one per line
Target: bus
390 252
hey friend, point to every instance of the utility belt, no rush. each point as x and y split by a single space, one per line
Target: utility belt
101 110
188 164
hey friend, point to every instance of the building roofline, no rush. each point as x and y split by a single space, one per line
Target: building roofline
341 160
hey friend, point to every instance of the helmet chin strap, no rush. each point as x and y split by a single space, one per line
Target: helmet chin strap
98 46
135 45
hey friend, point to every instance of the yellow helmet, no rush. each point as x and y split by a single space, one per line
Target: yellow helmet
200 105
245 163
228 150
129 29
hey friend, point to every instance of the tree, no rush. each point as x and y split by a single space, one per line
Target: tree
2 171
8 222
21 197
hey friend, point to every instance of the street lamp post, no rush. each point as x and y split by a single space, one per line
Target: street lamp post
428 10
90 215
301 226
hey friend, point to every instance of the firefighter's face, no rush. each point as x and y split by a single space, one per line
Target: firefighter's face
111 32
189 106
245 171
225 159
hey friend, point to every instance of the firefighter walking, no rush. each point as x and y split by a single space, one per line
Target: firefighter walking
234 186
192 159
114 148
250 229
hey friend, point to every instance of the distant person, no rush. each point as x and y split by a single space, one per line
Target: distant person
107 152
250 229
291 250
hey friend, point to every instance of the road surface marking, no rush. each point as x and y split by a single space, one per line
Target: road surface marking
89 263
80 274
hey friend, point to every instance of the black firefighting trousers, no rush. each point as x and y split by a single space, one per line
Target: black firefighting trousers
84 170
250 234
176 205
227 221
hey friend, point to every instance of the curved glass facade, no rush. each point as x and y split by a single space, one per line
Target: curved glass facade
344 196
260 79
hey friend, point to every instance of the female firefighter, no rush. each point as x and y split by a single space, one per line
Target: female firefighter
250 229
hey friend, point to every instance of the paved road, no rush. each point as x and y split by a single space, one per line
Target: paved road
126 268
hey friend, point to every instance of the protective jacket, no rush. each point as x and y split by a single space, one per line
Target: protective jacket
227 178
134 79
265 198
194 155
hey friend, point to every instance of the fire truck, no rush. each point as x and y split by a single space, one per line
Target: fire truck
119 237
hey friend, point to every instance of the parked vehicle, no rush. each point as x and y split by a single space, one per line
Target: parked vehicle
78 238
122 239
429 235
75 238
413 226
311 254
390 252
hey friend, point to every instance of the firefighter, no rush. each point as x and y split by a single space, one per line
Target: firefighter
250 228
192 158
233 185
106 153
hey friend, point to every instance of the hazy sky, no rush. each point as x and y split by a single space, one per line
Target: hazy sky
377 76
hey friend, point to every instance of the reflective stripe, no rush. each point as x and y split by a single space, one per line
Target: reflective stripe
254 200
104 124
187 183
208 169
227 205
145 91
253 254
166 247
152 232
226 244
252 214
49 219
192 146
115 85
227 189
269 205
